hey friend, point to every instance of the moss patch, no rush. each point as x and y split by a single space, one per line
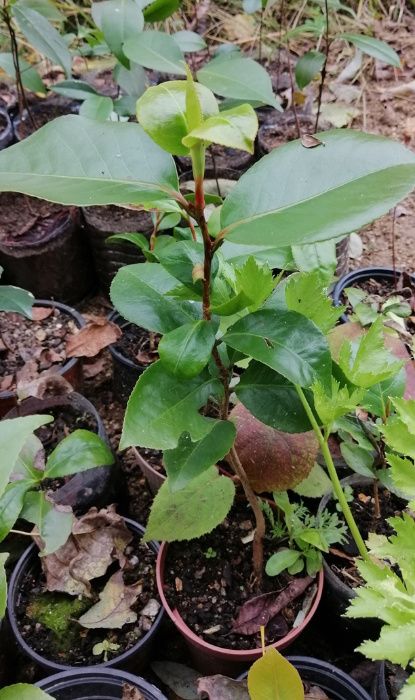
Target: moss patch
57 612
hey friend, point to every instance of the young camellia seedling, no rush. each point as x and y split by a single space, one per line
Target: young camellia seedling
209 311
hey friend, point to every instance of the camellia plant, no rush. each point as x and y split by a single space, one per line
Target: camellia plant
209 312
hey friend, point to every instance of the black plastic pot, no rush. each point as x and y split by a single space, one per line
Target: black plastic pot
125 372
43 112
53 264
6 129
96 684
71 370
337 684
379 689
108 257
92 487
362 275
233 159
135 659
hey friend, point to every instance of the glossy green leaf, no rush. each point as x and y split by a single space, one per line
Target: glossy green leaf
14 433
308 67
285 341
119 20
162 407
43 36
328 191
3 587
161 111
137 239
186 350
193 511
272 399
280 258
234 128
304 293
11 504
53 523
23 691
30 463
281 560
157 51
79 451
239 78
181 258
74 89
97 107
189 459
139 293
316 257
374 47
73 160
188 41
132 80
159 10
16 299
273 678
30 77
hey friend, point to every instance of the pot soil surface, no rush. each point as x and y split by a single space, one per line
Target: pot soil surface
28 221
138 345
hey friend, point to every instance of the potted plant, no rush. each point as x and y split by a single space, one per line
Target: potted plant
193 298
102 684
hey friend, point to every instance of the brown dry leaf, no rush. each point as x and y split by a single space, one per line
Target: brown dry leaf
92 338
315 693
39 313
98 538
49 383
91 369
113 609
130 692
49 356
273 460
27 373
222 688
7 382
258 611
310 141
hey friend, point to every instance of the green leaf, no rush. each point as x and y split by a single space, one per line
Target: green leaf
162 407
161 111
273 678
239 78
193 511
132 80
97 107
11 504
44 7
43 36
272 399
159 10
399 437
405 409
397 644
377 397
316 257
304 293
281 560
251 6
30 77
3 587
54 524
374 47
181 259
74 89
315 485
285 341
368 362
186 350
336 403
23 691
328 191
403 475
139 291
137 239
79 451
188 42
234 128
308 67
14 433
359 459
74 161
16 299
119 21
157 51
255 280
189 459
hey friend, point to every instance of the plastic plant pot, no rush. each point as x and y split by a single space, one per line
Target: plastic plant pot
153 477
134 659
71 370
363 275
96 684
6 129
88 488
337 684
210 659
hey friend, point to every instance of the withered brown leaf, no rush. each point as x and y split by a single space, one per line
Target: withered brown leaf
92 338
113 610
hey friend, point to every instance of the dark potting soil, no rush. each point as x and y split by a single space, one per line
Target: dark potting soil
42 114
66 420
139 498
223 159
28 347
28 220
211 577
75 646
153 457
3 122
362 507
113 219
138 345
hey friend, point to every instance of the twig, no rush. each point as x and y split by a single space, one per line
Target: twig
21 95
324 68
395 278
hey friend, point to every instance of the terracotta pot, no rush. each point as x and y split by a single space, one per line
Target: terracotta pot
210 659
153 477
71 370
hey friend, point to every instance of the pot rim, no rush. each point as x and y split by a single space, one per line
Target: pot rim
95 674
53 665
240 655
67 365
115 317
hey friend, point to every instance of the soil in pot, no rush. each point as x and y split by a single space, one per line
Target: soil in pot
223 158
134 351
210 578
42 113
138 497
29 347
33 218
48 621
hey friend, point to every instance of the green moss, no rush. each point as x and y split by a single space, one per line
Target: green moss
57 612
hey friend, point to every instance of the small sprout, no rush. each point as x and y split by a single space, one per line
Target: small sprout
104 648
210 553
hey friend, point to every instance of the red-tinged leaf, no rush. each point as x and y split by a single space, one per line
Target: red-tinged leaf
258 611
273 460
98 333
222 688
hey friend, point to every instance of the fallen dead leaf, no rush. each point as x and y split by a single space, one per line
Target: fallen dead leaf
39 313
49 383
113 609
92 369
7 382
222 688
92 338
179 678
310 141
130 692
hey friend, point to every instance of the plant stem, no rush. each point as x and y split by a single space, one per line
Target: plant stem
21 95
337 487
376 498
324 68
